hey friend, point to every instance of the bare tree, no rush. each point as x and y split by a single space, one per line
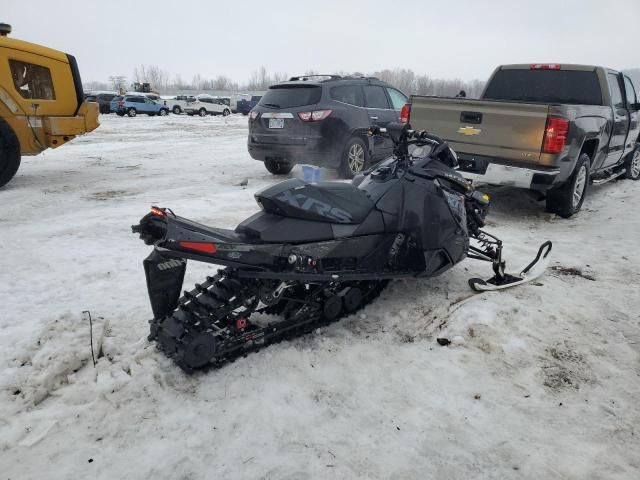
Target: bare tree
118 82
197 82
404 79
96 85
222 82
152 74
180 84
423 85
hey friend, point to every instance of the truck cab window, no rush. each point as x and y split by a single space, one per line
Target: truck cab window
32 81
630 91
616 92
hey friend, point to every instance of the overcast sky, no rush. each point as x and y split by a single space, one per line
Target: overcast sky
447 39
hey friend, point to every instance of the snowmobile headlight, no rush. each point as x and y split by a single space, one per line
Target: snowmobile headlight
456 203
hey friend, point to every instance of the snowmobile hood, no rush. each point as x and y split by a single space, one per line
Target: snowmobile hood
332 202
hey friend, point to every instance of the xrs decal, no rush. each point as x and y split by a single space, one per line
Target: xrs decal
173 263
312 205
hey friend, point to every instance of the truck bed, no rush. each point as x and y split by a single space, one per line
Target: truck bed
511 131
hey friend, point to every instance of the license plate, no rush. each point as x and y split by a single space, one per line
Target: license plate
276 123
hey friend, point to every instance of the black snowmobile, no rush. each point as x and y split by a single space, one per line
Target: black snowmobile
316 252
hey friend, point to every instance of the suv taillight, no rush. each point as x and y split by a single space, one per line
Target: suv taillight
405 113
314 116
253 115
555 135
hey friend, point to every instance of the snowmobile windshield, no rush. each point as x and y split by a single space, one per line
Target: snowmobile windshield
288 96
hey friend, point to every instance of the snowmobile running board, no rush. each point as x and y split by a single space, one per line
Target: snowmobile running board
532 271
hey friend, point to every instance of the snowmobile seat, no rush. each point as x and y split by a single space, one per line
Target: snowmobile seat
330 202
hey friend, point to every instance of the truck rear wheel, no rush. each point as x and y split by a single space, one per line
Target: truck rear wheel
9 153
566 199
632 165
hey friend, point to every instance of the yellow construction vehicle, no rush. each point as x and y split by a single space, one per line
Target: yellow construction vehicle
41 101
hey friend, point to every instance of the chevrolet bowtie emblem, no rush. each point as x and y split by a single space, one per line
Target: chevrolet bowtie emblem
469 131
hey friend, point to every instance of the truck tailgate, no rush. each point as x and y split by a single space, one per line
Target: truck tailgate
503 130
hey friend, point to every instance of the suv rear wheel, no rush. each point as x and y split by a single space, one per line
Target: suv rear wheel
177 110
566 199
277 166
226 112
354 158
132 112
202 112
9 153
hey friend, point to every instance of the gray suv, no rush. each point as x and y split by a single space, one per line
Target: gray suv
323 120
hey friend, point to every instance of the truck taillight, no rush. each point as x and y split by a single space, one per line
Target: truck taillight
555 135
545 66
405 113
314 116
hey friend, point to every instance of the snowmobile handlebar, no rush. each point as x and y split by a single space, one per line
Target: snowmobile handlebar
398 132
402 135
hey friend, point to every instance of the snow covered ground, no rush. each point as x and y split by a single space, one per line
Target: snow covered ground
542 381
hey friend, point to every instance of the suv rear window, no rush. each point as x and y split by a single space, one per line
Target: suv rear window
545 86
288 96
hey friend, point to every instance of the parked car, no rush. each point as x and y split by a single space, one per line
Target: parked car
150 95
207 105
177 103
131 105
323 120
244 106
546 127
104 101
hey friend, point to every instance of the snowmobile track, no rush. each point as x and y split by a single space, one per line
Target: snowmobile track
210 326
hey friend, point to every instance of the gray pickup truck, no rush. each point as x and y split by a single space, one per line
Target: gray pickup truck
545 127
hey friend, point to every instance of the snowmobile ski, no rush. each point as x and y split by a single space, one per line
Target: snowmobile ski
507 280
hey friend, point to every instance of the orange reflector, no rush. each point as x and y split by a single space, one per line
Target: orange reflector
159 212
199 246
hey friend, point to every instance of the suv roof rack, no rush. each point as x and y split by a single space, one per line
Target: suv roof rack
304 78
360 77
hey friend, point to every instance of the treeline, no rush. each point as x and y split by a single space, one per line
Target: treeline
404 79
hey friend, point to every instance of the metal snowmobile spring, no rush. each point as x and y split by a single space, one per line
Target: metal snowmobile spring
315 253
